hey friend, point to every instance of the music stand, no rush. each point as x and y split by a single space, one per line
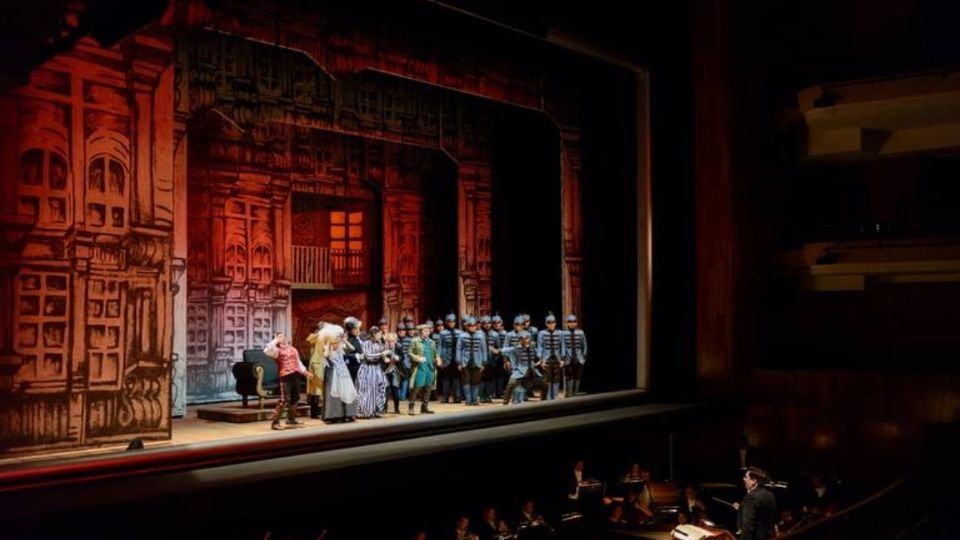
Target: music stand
533 530
590 494
570 525
627 484
666 514
590 489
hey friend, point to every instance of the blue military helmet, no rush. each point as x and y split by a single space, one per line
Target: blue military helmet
526 317
497 318
469 320
428 323
485 319
411 326
524 334
518 320
450 317
571 318
550 318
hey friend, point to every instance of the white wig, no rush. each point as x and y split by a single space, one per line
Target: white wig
330 333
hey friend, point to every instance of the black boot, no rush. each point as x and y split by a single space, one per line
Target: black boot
292 416
275 419
423 405
314 402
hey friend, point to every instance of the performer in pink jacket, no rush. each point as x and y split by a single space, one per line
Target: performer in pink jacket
289 369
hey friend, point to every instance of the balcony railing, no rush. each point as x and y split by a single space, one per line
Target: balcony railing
325 268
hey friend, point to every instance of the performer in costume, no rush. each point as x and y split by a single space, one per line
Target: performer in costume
502 375
447 346
548 350
339 392
512 338
523 364
353 352
384 325
315 366
423 374
574 353
371 382
471 358
394 371
437 328
435 336
410 332
532 330
289 369
491 371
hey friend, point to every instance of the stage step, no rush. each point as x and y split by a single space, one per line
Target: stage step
236 413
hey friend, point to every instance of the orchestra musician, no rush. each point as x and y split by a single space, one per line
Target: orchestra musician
491 527
462 530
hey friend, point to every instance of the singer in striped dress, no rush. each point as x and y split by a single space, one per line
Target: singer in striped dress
371 383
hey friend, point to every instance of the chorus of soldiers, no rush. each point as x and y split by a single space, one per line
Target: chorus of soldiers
360 373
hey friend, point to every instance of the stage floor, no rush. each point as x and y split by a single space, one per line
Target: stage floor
191 429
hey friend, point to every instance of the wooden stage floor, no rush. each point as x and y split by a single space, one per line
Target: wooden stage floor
191 429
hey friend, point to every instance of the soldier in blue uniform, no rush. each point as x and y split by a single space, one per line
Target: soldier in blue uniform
404 342
522 363
491 372
548 350
437 328
471 358
435 336
512 338
450 373
502 376
532 330
574 353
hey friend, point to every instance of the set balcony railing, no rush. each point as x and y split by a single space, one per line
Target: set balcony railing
326 268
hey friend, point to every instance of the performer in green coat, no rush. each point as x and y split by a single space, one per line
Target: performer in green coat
424 362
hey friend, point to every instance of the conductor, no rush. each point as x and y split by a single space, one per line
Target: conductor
758 511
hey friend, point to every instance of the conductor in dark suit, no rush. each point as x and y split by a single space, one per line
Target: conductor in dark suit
758 511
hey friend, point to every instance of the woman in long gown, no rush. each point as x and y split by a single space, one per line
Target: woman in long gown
371 383
339 393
